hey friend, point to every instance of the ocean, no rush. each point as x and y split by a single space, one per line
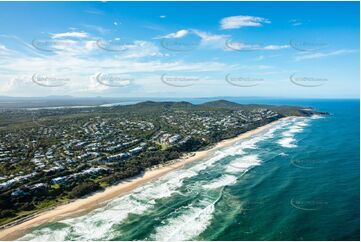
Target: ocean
298 180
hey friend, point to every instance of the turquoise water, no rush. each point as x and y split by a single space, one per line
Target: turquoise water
298 180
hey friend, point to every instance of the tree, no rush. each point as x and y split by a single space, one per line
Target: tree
84 189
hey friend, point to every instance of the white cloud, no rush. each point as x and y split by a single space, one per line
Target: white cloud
220 41
3 48
162 16
15 83
94 11
240 46
295 22
207 39
67 46
90 45
94 85
99 29
276 47
234 45
317 55
18 68
211 40
236 22
142 48
179 34
81 64
70 35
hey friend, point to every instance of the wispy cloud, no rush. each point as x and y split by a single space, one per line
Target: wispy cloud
2 47
295 22
212 40
317 55
18 68
176 35
207 39
96 28
70 35
276 47
141 49
236 22
220 41
241 46
94 11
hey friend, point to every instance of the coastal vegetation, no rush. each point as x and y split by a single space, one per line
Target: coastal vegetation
52 156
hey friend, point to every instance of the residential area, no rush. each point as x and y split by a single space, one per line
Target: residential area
49 157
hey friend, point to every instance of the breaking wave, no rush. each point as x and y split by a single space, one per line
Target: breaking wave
98 224
243 164
186 221
225 180
288 137
194 219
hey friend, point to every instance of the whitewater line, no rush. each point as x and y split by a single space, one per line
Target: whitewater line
197 214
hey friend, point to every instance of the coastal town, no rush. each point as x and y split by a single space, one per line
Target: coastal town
49 157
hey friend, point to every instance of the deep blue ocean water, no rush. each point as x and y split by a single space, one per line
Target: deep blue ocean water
299 180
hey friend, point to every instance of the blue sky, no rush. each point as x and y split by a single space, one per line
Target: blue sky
180 49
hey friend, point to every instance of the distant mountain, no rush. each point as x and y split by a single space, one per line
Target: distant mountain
221 104
183 104
164 104
142 106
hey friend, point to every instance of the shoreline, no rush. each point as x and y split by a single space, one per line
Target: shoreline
98 199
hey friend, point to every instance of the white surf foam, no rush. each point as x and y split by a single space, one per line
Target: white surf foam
98 225
224 180
302 123
164 187
282 154
209 162
235 149
47 234
315 116
270 133
239 147
192 222
288 137
186 226
287 142
243 164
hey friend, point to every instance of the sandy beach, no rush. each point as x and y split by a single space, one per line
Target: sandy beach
98 199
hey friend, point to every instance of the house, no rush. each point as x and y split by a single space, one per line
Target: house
120 156
18 193
38 186
59 180
172 140
136 150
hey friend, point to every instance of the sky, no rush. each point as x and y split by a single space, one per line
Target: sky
180 49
